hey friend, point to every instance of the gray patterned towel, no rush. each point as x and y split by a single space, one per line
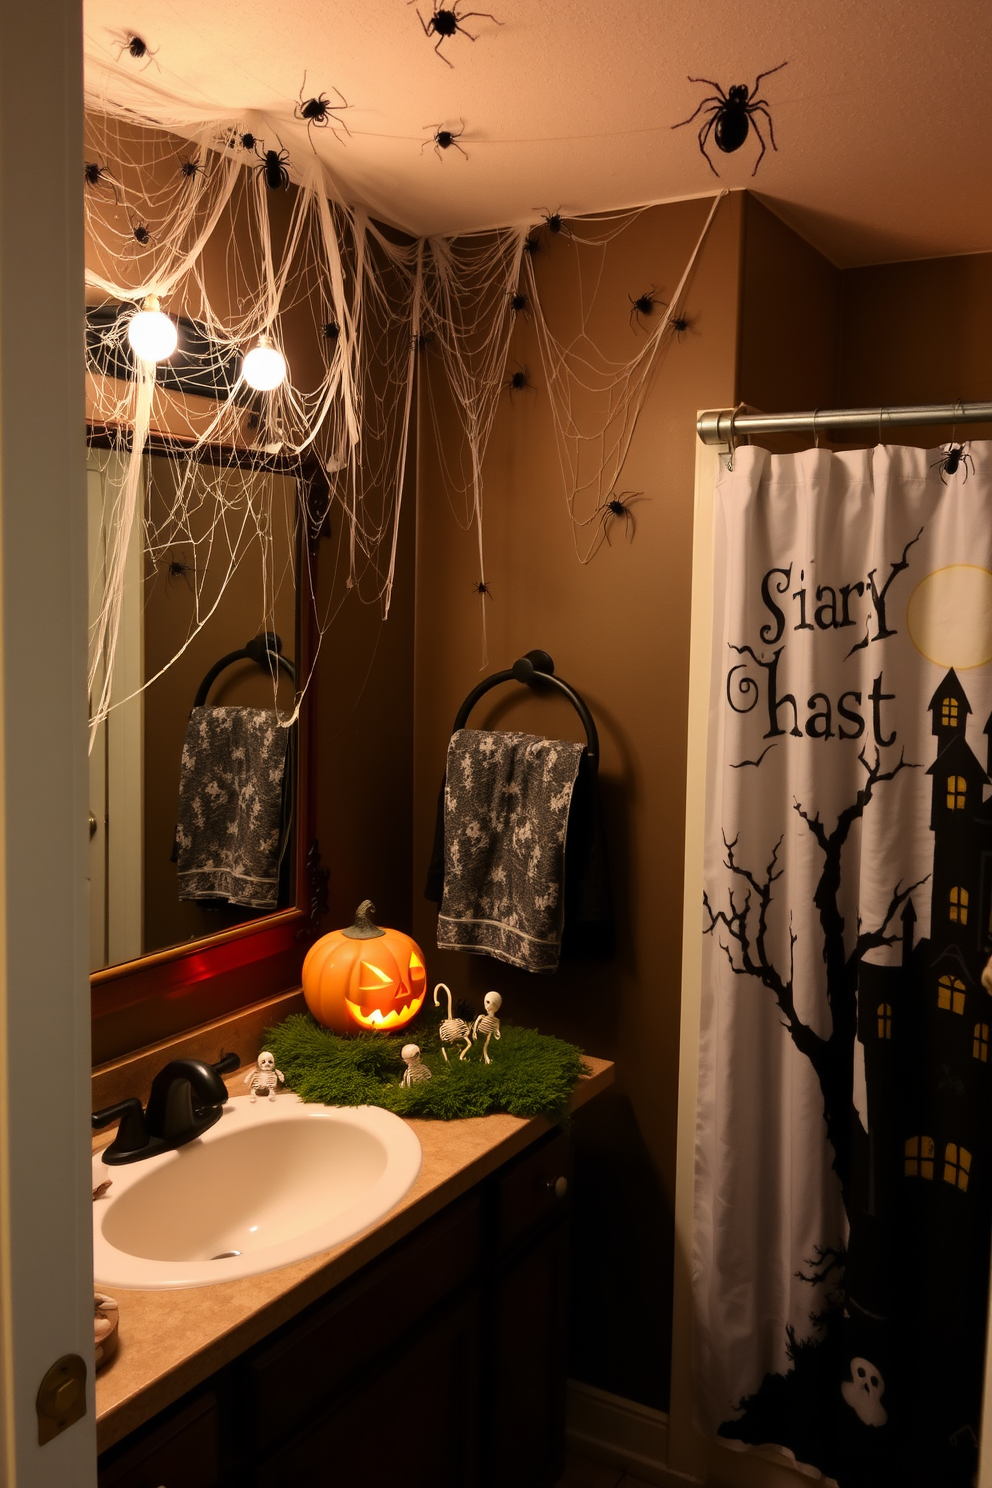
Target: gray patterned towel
506 804
230 818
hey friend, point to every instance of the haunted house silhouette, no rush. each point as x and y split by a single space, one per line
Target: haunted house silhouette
917 1274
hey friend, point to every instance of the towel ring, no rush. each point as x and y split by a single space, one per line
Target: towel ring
535 670
262 650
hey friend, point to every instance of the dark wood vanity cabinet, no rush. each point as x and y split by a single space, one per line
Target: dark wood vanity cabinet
439 1365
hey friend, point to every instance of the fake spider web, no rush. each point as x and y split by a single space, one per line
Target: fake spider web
178 206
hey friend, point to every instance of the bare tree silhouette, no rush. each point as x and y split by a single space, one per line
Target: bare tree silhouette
745 942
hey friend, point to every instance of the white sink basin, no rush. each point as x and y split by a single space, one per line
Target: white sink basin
271 1183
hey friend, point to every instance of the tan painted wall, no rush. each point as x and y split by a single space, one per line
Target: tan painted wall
618 631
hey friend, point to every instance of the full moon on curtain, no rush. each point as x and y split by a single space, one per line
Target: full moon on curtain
843 1196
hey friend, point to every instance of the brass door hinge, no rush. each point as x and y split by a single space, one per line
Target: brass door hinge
61 1397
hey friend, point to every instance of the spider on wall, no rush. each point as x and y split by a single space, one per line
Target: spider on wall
481 588
177 569
273 169
730 117
643 306
96 175
141 233
680 324
444 23
319 112
190 166
617 505
519 303
518 382
444 139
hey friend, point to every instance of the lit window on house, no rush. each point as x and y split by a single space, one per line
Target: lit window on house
959 905
884 1020
950 994
919 1157
956 789
957 1166
980 1046
949 713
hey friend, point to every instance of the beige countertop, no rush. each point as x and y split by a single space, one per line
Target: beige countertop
173 1340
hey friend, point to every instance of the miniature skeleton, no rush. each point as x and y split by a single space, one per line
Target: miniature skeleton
863 1392
415 1071
987 976
264 1078
487 1022
452 1028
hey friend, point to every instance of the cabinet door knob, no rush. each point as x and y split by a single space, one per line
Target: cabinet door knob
557 1186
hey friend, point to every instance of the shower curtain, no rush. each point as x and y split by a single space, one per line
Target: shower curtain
843 1191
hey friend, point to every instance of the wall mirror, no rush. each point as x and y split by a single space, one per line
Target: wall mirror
198 759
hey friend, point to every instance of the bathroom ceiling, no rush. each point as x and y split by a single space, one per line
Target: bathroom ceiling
883 116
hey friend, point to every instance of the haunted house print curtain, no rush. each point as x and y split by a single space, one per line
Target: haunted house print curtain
844 1143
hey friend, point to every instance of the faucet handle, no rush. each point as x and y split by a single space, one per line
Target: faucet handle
132 1134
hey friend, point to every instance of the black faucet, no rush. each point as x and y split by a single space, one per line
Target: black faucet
187 1098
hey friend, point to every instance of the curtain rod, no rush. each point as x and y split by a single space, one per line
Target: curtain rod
726 426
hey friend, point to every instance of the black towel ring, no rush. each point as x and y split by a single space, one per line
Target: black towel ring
535 670
263 651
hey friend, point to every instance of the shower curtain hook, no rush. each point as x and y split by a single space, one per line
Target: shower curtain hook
731 439
816 436
880 413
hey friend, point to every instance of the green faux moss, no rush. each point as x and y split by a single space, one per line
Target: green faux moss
531 1074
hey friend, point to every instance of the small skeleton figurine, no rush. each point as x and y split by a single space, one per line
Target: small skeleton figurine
264 1077
987 976
452 1029
487 1022
415 1070
104 1323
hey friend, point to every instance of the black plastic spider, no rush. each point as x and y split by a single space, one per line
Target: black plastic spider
330 330
142 233
422 341
482 588
616 506
444 139
444 23
96 175
680 324
190 166
532 244
519 303
954 458
555 222
136 47
731 116
178 568
518 382
273 169
248 141
645 304
319 112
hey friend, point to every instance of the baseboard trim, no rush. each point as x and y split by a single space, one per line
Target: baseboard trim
620 1433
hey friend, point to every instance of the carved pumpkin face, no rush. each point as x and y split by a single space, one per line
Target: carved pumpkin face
364 977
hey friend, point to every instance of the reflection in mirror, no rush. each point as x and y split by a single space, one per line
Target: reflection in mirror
192 770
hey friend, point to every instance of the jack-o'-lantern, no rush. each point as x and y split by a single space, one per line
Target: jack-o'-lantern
364 977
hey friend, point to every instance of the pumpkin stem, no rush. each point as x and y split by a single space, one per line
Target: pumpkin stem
364 927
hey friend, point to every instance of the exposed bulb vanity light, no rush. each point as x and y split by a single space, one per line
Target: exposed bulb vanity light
152 333
264 367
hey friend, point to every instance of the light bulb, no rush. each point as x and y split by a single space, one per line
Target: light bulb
264 368
152 333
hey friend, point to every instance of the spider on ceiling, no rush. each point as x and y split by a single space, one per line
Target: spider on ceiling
644 305
615 506
136 47
444 23
731 116
318 113
554 222
96 175
444 139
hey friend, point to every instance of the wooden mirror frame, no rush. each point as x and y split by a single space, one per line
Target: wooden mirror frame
165 992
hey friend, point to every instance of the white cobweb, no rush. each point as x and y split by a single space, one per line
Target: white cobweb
178 206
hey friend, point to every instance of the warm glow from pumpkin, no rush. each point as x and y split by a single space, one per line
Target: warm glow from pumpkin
383 1022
